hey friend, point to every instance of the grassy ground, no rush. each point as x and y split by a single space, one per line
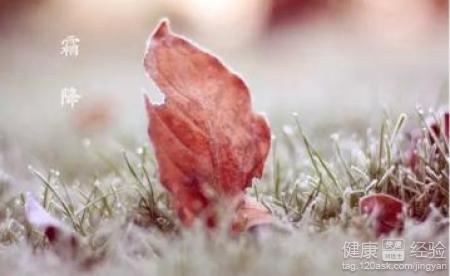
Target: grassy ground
123 222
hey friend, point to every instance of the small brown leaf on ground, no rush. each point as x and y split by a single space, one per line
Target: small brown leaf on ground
208 143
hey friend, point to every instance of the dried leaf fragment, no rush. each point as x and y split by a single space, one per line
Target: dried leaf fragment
250 213
62 240
208 143
437 128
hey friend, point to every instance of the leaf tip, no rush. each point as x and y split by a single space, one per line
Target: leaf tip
162 29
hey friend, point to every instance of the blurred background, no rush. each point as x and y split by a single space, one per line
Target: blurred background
340 64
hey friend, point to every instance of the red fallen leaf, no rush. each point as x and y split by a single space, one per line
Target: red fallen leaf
385 210
208 142
62 240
